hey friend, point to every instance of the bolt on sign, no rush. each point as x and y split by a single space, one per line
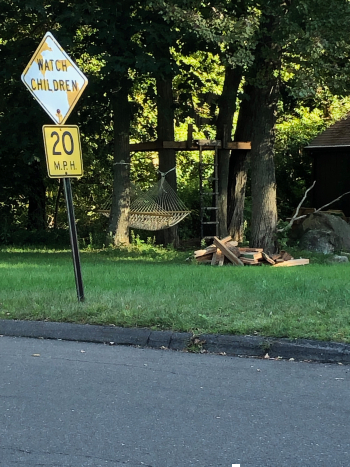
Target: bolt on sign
54 79
63 151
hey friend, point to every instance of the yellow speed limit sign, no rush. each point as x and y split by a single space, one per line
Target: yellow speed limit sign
63 151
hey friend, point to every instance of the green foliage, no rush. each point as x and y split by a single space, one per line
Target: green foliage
293 133
55 238
283 235
124 40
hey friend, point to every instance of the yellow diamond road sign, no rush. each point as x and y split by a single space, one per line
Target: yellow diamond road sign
54 79
63 151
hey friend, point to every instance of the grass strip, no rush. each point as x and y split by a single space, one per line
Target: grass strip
163 291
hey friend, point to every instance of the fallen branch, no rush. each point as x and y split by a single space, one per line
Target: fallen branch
337 199
295 218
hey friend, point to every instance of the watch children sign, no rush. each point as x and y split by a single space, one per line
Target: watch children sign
54 79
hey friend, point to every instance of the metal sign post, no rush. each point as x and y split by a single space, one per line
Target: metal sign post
73 239
56 82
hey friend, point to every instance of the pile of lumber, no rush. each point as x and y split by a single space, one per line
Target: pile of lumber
226 251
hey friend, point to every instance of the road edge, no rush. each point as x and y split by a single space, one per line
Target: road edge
233 345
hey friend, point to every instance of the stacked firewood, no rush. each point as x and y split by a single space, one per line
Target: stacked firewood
226 251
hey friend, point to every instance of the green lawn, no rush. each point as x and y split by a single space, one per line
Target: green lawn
159 289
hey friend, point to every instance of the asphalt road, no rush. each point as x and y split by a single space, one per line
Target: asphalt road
77 404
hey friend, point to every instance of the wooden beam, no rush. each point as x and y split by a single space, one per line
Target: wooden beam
267 258
206 144
214 259
249 261
158 145
239 145
221 257
229 255
292 262
252 255
210 249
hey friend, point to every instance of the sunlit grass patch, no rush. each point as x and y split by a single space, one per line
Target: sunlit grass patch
158 289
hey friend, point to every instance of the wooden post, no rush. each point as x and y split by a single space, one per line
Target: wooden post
189 135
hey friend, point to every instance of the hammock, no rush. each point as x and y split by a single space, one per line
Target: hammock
157 209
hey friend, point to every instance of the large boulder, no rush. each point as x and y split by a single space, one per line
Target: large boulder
324 233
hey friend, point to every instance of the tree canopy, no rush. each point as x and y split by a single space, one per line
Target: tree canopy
248 69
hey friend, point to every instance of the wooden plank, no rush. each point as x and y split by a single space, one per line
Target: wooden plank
158 145
231 246
275 256
252 255
198 253
207 145
229 255
248 261
209 249
231 243
215 259
238 145
226 239
292 262
220 256
152 214
250 249
267 258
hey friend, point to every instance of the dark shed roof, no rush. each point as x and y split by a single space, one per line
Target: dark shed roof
337 135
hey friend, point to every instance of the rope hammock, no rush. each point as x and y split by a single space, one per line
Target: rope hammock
156 209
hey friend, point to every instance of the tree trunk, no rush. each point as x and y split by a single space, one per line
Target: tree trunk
227 108
167 157
238 174
118 229
264 95
264 208
36 199
239 164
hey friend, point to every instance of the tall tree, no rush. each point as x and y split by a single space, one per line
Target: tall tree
264 95
286 38
119 217
22 176
111 28
224 124
239 165
158 37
